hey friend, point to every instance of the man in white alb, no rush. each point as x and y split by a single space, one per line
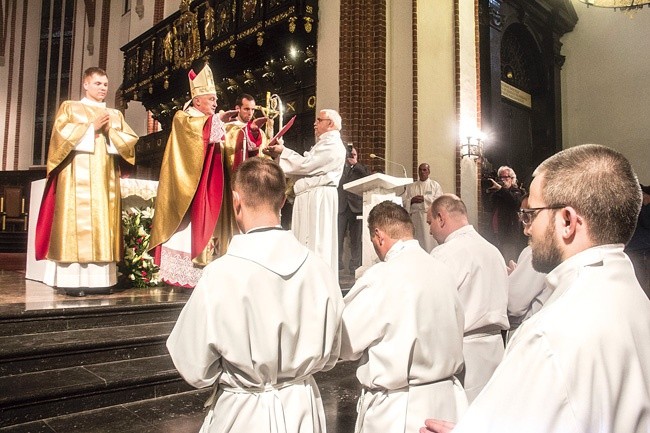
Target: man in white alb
417 199
317 172
482 282
581 363
262 319
404 320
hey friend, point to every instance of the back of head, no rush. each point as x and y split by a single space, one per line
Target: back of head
391 218
600 184
260 183
451 204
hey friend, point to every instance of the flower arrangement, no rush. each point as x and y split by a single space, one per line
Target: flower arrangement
138 265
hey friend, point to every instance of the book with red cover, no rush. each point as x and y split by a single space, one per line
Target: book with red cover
281 132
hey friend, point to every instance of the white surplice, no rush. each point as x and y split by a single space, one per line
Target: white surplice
430 190
482 281
314 219
582 363
404 320
262 319
527 290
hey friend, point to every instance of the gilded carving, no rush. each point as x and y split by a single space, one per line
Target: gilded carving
168 46
311 102
146 61
248 10
292 24
308 24
260 39
187 44
209 22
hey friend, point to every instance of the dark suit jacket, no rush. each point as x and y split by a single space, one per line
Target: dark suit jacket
348 199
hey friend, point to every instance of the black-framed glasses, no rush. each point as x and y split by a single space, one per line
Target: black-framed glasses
321 120
526 216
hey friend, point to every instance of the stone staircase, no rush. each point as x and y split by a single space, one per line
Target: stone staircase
59 362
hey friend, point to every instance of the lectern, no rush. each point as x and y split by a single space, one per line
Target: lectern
374 189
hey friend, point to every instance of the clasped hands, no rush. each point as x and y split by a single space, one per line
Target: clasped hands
101 123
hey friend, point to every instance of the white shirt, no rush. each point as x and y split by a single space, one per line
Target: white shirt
527 289
482 280
261 316
406 327
582 363
315 209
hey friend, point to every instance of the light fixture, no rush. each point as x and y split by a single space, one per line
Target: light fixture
472 147
623 5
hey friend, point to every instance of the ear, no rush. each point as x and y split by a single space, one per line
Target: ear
380 235
236 202
440 220
568 223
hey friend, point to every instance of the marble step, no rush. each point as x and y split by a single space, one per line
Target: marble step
179 413
45 394
17 321
30 353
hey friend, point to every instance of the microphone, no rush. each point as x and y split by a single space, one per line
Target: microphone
372 155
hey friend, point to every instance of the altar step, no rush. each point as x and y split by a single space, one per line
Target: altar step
58 362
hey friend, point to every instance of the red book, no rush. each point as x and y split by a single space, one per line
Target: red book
281 132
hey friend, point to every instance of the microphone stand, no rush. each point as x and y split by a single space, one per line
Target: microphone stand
372 155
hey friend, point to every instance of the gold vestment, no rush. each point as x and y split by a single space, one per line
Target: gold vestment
180 173
87 223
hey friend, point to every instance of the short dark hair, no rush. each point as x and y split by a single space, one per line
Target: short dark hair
449 202
94 70
243 96
261 183
392 219
600 184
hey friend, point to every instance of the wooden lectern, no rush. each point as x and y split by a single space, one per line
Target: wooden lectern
374 189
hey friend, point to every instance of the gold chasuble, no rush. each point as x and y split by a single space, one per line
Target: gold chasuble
242 144
192 171
84 184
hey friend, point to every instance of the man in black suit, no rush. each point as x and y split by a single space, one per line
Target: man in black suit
350 207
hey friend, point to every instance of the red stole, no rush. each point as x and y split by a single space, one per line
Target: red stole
206 204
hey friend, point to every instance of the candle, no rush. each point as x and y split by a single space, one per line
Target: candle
22 205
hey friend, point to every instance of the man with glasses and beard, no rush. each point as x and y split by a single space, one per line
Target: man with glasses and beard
582 363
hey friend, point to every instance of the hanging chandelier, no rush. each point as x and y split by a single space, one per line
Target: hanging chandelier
623 5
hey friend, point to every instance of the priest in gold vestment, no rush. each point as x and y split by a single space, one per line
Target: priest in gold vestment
244 135
193 220
79 227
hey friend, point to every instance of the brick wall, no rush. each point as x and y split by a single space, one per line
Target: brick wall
362 76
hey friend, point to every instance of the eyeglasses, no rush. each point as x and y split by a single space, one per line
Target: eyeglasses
321 120
526 216
505 177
